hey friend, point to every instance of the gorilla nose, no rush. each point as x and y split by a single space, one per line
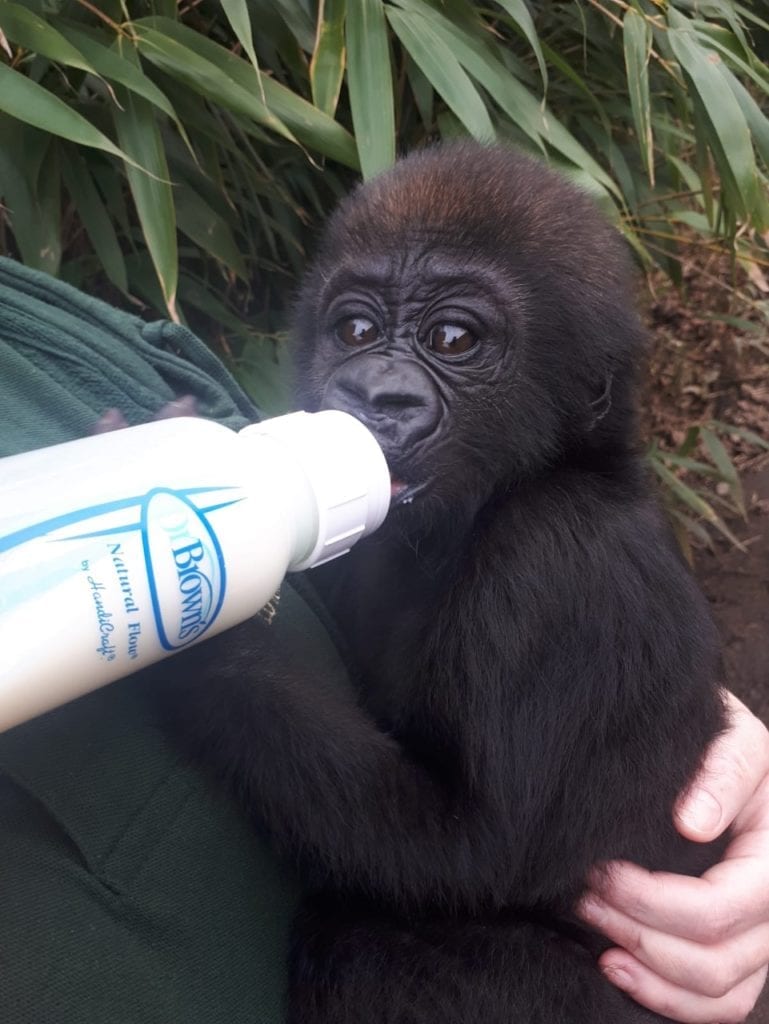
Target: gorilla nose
397 399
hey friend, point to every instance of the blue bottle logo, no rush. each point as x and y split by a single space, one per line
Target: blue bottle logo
182 556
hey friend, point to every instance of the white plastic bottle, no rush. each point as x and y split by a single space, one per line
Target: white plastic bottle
118 550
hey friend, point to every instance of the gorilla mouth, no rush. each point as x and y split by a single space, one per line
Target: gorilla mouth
402 493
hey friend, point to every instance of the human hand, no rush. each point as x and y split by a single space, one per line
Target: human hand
696 949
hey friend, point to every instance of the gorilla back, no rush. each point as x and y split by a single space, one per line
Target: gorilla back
536 670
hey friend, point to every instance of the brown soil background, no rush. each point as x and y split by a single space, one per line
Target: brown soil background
702 367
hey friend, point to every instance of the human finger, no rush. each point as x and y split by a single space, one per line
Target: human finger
657 994
727 900
734 766
710 970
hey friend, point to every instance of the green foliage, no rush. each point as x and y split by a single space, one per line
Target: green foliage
715 483
242 104
179 156
201 141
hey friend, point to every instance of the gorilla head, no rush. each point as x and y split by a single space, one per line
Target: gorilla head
471 308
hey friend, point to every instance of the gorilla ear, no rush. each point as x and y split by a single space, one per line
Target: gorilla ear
601 405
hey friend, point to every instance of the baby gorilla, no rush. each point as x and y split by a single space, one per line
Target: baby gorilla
536 670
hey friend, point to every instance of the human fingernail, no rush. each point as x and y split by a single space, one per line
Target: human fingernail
592 909
618 976
701 811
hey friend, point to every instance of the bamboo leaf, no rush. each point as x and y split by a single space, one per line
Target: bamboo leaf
312 127
728 47
328 58
729 134
239 19
139 135
48 193
747 435
726 9
440 66
637 42
748 15
695 220
423 92
520 14
757 121
19 202
31 103
370 85
702 156
693 465
111 65
294 15
689 497
689 526
520 105
143 281
30 185
33 33
725 466
207 77
264 372
690 441
558 61
206 228
94 216
301 120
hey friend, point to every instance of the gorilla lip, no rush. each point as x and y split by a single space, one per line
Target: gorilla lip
402 493
397 487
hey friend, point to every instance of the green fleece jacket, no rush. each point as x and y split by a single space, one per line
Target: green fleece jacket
132 891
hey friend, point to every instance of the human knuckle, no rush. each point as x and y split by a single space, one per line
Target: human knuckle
719 921
737 1008
720 980
667 1007
635 940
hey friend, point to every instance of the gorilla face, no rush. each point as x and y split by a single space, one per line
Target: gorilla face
413 344
473 328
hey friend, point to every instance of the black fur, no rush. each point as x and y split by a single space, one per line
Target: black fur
536 669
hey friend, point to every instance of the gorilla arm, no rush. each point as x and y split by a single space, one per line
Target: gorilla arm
512 764
334 790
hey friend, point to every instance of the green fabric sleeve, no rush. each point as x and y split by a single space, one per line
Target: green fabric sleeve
65 358
132 892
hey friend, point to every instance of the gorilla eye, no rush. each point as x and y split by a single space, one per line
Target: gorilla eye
450 340
357 330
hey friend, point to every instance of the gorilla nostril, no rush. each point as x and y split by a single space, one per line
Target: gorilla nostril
386 400
374 392
370 383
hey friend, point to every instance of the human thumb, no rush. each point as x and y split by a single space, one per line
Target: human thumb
734 765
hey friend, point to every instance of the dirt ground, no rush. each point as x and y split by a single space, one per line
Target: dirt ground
737 585
704 365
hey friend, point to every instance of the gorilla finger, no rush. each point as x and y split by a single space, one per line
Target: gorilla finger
185 405
111 419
